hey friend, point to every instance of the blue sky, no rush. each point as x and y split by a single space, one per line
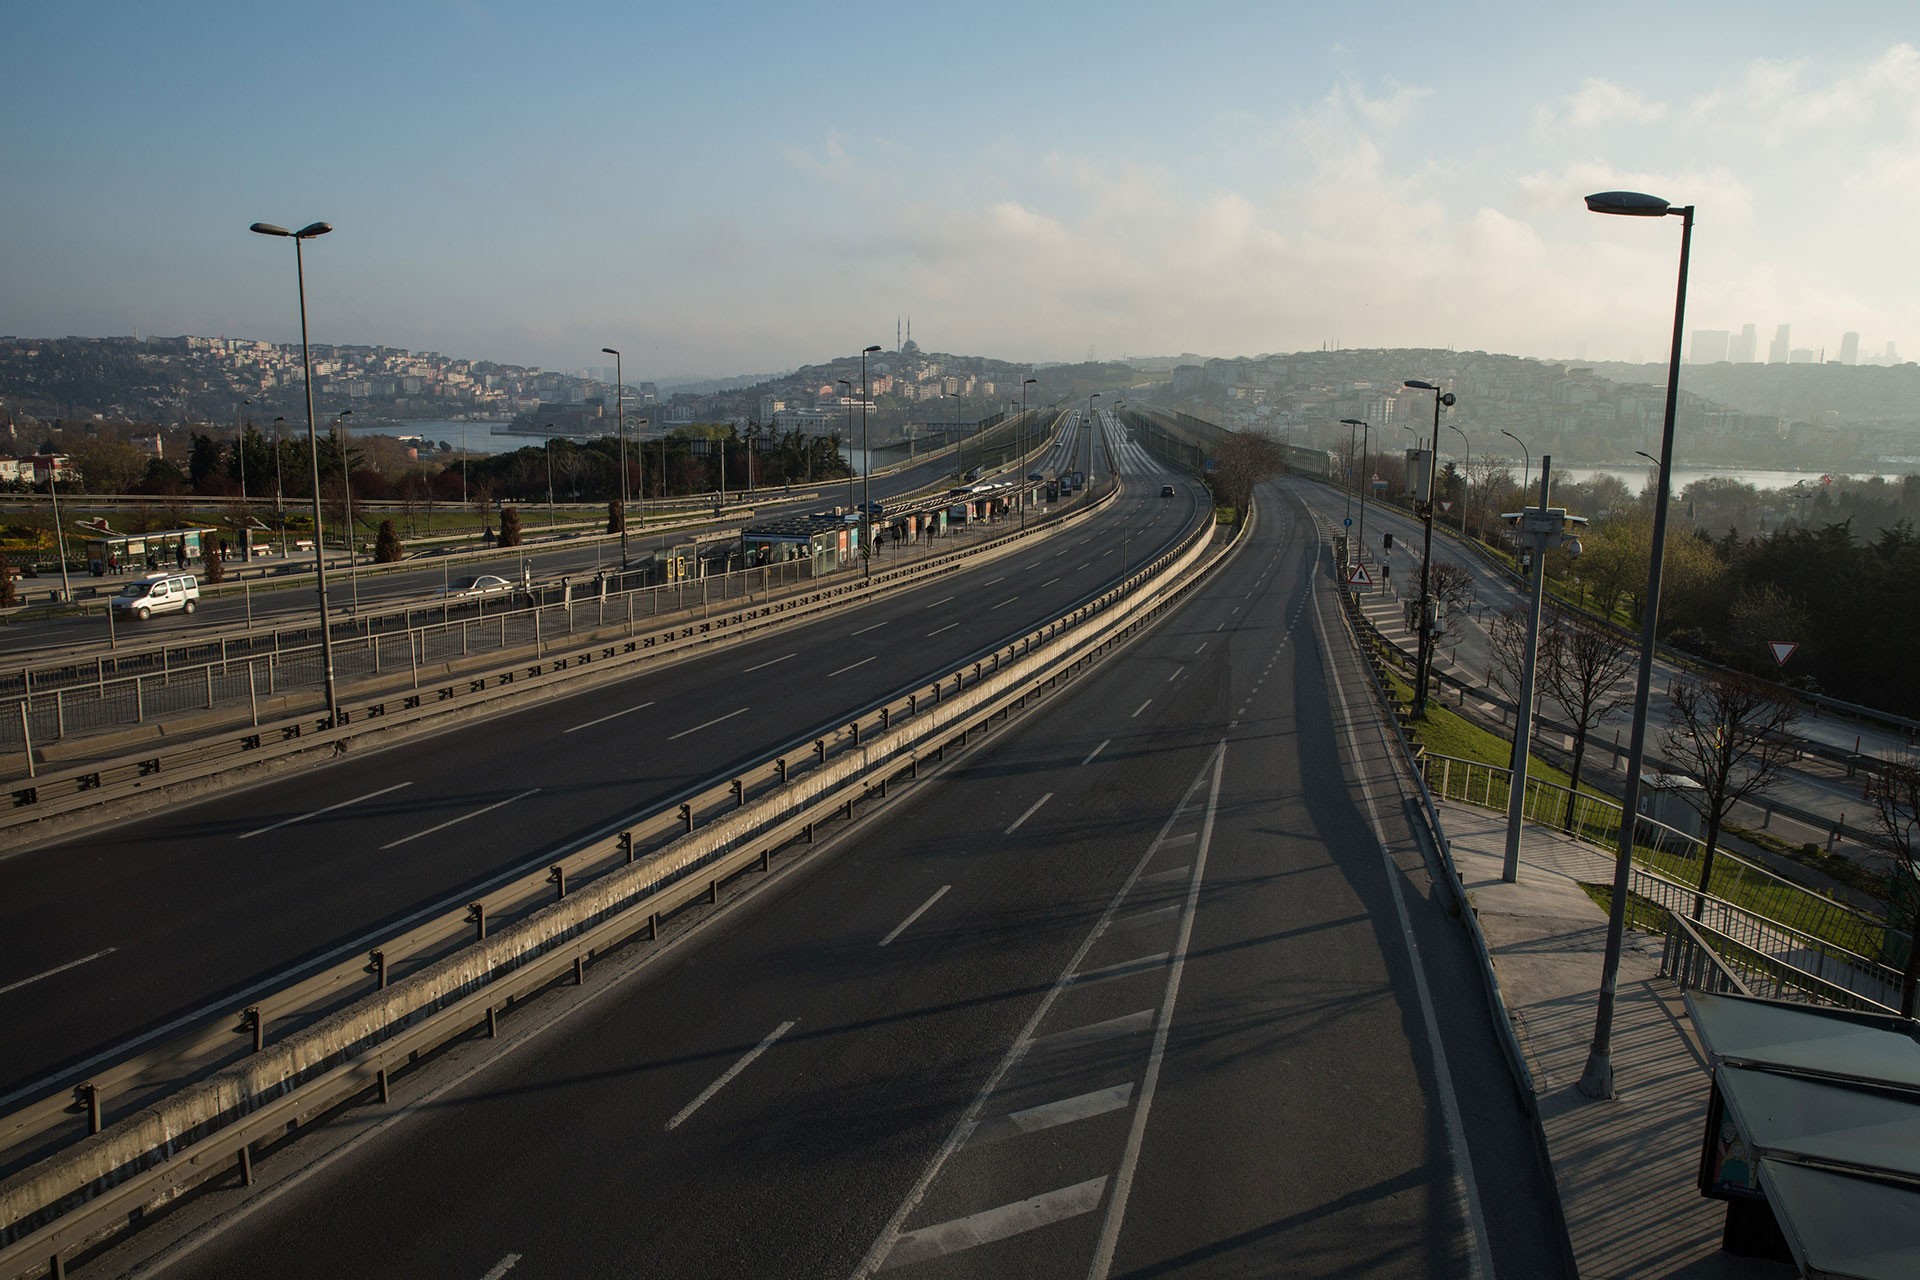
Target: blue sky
746 187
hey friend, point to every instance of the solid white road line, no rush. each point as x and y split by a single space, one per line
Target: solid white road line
371 795
768 663
1096 751
615 716
1142 707
990 1225
450 822
1123 1179
851 665
918 912
1466 1188
708 725
732 1071
59 968
862 631
950 626
1029 813
501 1267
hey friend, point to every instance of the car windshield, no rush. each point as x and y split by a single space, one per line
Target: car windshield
136 589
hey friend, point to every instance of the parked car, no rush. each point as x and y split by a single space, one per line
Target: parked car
484 584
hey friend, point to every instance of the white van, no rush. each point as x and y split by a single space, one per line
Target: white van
158 593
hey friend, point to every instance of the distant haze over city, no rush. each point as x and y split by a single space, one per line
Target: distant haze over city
743 187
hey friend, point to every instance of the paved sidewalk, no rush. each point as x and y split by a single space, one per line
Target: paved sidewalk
1626 1167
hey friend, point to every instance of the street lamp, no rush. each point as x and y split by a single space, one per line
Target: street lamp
1366 431
279 506
1424 670
866 473
1526 462
1087 489
848 384
346 482
240 456
1026 489
59 533
312 231
1466 474
551 514
620 426
1596 1081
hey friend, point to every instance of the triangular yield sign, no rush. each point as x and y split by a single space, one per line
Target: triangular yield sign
1359 577
1782 650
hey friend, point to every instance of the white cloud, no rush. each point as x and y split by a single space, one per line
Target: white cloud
1597 104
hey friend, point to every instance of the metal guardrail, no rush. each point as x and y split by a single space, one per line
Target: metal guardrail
212 1125
414 688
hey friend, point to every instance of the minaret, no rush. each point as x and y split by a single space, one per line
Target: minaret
896 333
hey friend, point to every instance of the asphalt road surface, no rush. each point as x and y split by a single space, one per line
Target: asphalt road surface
1155 982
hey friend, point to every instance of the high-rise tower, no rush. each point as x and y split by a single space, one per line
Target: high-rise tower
1779 352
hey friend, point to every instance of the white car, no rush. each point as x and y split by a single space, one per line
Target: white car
485 584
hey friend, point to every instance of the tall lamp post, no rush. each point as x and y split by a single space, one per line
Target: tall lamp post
59 533
866 473
346 483
311 231
1423 674
1596 1081
279 503
1366 431
1026 487
848 384
1466 476
240 456
551 514
620 426
1087 489
1526 460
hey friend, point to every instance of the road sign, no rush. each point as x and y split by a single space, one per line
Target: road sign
1782 650
1445 505
1359 577
1348 522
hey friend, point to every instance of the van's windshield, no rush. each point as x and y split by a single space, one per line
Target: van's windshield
136 588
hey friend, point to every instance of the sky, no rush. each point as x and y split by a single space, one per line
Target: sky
735 188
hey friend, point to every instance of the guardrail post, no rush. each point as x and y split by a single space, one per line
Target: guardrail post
739 793
781 765
245 1159
886 718
208 669
86 1098
557 877
626 846
580 970
913 703
936 691
854 729
250 1020
493 1023
477 917
377 966
686 816
809 833
820 750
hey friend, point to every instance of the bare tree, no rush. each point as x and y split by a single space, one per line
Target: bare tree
1584 670
1243 460
1451 584
1729 732
1895 792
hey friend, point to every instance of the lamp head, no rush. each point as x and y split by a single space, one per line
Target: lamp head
268 229
870 350
1354 422
1446 398
1416 383
313 229
1631 204
608 351
1029 382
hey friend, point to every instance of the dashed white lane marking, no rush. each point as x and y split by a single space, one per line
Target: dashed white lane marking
769 663
1203 646
1142 707
1049 1115
287 822
59 968
862 631
851 665
1173 675
501 1267
1140 919
937 603
1004 603
746 1061
1049 582
918 912
950 626
990 1225
1035 808
630 710
1096 751
1171 873
454 822
708 725
1121 969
